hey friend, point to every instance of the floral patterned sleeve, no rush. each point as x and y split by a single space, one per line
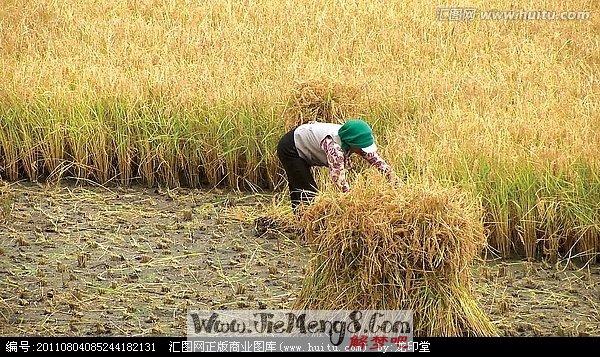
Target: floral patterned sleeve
336 161
376 160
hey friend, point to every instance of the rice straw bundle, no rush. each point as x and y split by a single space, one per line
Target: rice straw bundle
412 247
321 101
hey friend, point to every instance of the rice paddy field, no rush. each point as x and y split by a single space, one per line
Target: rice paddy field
81 261
137 146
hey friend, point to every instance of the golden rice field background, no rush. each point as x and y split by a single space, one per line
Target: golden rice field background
198 92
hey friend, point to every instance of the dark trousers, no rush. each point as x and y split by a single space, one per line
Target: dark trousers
302 185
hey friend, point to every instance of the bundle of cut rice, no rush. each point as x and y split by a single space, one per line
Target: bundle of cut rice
412 247
321 101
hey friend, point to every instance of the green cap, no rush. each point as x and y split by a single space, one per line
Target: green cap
357 133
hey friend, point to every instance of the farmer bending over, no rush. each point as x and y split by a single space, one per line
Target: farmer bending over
325 144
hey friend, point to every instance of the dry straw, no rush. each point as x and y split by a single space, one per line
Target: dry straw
321 100
410 247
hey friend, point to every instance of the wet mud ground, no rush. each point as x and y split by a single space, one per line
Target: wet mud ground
131 261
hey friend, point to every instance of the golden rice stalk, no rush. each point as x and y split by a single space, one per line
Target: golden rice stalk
412 247
318 100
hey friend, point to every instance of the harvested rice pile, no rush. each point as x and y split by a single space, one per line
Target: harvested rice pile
411 247
321 101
